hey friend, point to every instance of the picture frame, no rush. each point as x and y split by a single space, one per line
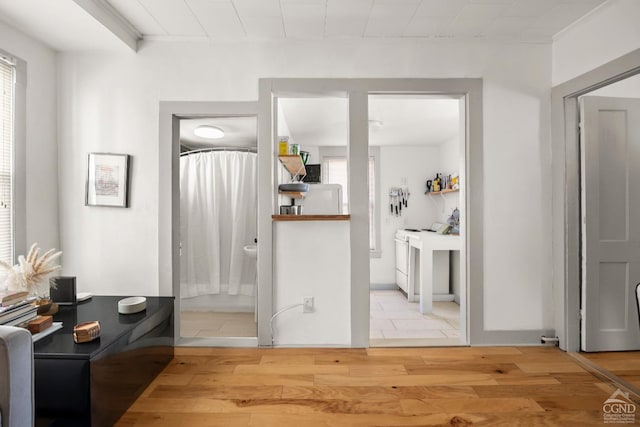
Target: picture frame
107 180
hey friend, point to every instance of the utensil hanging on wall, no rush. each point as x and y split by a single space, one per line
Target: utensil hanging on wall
398 198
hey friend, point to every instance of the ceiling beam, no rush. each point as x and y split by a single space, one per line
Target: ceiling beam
106 15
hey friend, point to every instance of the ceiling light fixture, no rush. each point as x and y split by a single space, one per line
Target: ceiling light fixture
208 132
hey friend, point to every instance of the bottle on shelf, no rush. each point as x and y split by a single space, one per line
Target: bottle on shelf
283 145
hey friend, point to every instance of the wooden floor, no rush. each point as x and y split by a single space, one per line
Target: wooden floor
480 386
623 364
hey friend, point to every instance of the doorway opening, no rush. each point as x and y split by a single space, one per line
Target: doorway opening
218 230
218 217
610 231
417 281
567 213
354 261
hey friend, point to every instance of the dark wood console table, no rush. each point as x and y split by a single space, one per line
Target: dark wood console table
93 384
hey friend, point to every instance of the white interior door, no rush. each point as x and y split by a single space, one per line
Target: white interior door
610 145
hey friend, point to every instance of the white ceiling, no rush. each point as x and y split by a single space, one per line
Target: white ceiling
394 120
60 24
413 120
106 24
321 19
120 24
238 132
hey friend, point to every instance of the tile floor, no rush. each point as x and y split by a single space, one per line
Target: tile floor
396 321
210 324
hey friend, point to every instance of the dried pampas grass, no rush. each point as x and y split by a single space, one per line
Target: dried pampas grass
32 273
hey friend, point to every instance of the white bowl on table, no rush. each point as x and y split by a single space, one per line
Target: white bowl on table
132 305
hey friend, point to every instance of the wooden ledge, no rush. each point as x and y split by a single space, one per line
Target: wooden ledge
311 217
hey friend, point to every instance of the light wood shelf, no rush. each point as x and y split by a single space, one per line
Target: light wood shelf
443 191
293 164
292 194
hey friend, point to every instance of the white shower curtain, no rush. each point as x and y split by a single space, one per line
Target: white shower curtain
218 208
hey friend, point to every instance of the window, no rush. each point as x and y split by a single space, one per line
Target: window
334 171
7 113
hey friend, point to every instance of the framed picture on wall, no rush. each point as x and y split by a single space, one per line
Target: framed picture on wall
108 180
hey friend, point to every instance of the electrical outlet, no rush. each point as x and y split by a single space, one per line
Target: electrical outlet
307 305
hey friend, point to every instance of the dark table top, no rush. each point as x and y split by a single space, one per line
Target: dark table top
113 325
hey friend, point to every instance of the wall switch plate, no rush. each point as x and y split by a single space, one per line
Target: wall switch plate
307 305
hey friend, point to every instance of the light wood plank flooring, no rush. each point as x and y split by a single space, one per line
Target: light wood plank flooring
480 386
623 364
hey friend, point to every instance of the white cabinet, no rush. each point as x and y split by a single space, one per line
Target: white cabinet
402 263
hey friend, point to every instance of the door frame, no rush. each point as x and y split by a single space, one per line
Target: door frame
595 336
566 214
359 88
171 112
462 160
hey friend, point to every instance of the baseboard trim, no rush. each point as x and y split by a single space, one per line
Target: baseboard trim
481 338
383 287
217 342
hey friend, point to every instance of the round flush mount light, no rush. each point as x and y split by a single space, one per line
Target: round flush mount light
208 132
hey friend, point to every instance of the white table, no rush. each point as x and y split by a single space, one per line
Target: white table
431 252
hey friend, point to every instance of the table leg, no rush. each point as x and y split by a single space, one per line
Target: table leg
426 282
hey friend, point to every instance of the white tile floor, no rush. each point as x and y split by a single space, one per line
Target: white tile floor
210 324
396 321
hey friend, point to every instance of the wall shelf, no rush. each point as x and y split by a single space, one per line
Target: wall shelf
292 194
443 191
293 164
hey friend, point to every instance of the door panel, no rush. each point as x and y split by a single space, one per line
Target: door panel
612 289
610 158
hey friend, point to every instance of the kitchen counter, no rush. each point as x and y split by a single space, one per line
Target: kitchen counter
431 251
447 242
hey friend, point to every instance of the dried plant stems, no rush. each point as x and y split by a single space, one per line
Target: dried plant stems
31 273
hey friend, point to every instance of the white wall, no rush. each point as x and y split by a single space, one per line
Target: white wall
606 34
517 200
312 259
110 103
41 137
403 166
627 88
449 164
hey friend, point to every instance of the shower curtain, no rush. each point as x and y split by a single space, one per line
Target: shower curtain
218 208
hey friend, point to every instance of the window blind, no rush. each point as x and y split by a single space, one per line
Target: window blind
335 172
7 84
